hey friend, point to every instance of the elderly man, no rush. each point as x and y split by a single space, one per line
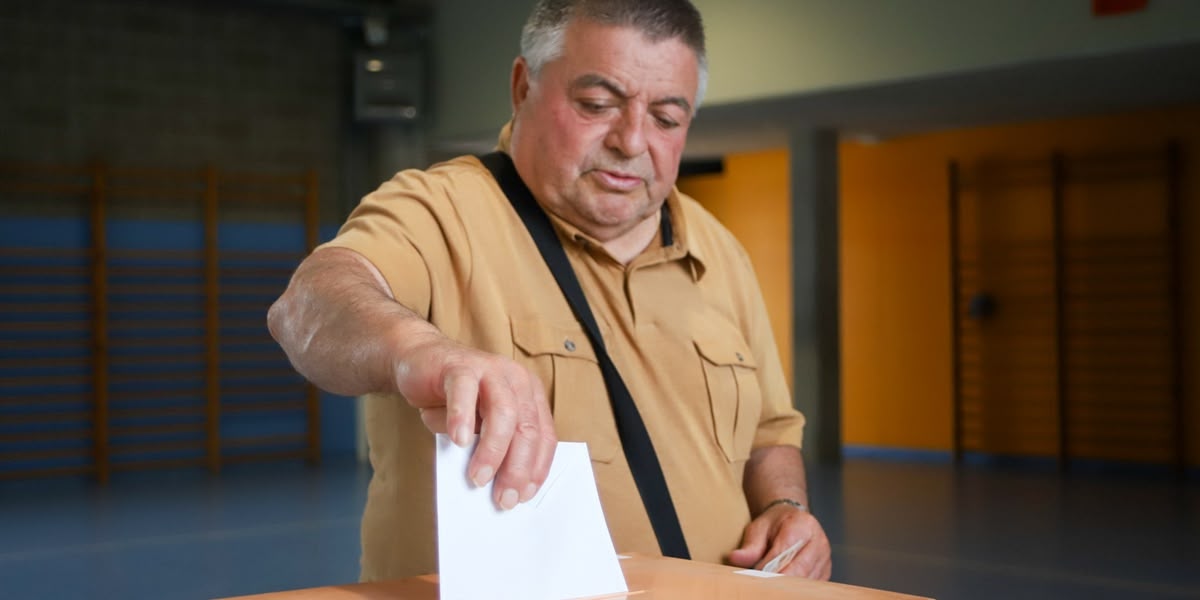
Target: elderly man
436 303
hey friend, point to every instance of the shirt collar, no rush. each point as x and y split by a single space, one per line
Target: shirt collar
682 246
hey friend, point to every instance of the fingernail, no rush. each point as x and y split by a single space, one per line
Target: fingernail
483 475
508 499
462 436
530 491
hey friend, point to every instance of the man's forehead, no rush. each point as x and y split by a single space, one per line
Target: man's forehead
634 60
581 29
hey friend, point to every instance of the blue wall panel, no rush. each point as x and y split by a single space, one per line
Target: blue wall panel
157 356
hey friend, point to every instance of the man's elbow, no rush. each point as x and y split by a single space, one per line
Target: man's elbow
281 321
275 318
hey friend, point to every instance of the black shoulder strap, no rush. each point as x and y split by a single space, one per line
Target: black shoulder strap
635 440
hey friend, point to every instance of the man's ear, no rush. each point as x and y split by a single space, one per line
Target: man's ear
520 83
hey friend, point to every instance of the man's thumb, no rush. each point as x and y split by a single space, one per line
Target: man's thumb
754 543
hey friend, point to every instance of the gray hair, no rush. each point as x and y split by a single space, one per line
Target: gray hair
542 38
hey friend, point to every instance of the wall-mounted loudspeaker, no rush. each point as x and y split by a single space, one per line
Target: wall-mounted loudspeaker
389 86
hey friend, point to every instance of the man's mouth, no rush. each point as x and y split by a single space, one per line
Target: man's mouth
617 180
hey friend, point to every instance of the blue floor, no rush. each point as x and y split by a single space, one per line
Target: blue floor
256 528
1006 533
922 528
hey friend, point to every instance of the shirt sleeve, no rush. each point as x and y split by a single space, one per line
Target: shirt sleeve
407 229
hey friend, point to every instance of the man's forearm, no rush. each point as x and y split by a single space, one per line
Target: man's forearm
340 327
773 473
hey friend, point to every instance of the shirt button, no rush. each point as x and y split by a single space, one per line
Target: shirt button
739 356
569 345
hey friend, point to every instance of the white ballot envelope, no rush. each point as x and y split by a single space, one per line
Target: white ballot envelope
781 561
554 547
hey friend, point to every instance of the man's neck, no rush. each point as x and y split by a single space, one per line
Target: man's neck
629 245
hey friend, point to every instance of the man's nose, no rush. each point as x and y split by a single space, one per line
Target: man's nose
628 134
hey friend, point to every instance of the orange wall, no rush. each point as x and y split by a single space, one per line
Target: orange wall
751 197
896 377
896 368
896 365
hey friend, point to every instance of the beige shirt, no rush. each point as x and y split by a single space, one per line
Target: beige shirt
684 323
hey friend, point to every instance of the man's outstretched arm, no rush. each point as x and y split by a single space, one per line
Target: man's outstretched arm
341 328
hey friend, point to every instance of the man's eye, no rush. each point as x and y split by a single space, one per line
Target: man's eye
666 122
593 107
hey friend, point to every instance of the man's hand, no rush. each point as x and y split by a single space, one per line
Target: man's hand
775 531
460 390
342 329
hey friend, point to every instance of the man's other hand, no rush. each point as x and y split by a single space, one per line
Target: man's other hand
779 528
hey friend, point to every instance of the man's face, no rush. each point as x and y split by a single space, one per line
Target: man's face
598 135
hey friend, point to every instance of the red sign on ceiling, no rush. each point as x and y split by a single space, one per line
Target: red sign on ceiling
1104 8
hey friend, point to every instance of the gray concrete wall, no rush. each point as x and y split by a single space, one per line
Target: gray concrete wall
173 83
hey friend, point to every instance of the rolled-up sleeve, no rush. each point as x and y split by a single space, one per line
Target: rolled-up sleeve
402 229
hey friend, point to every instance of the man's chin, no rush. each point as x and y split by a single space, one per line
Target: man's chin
616 211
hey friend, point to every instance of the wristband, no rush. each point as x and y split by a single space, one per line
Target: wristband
787 501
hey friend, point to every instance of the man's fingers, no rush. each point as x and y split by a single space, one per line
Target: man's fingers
812 565
817 560
461 389
804 563
813 559
515 482
517 479
532 450
497 411
825 571
547 441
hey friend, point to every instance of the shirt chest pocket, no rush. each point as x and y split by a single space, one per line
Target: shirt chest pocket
734 395
562 356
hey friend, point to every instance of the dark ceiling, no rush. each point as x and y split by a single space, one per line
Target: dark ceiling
397 8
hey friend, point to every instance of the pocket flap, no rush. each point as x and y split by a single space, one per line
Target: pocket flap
536 338
726 348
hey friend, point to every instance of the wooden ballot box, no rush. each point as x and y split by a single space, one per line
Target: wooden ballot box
648 578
